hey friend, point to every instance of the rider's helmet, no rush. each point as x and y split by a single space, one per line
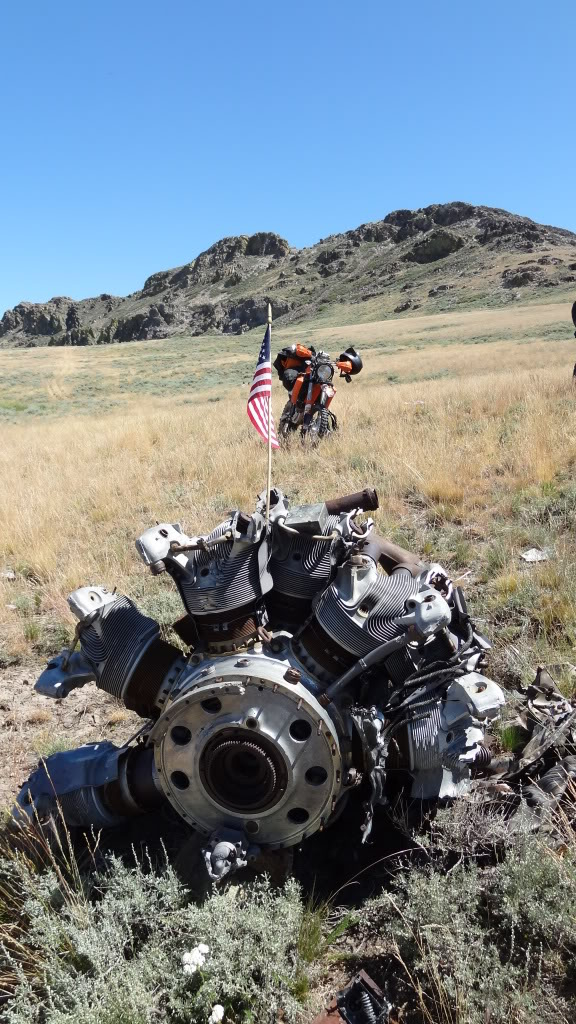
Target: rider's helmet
352 356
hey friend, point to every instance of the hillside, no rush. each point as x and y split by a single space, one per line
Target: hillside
438 259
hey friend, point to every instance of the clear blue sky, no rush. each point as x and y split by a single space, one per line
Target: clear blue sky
134 134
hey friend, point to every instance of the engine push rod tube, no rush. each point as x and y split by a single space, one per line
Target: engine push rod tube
372 658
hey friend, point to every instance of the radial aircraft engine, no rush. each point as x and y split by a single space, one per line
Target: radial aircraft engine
317 663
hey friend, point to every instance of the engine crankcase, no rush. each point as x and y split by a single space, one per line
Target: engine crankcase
245 745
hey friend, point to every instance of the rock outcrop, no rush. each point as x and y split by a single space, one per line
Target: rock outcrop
443 254
437 245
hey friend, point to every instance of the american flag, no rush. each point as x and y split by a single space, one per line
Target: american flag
261 393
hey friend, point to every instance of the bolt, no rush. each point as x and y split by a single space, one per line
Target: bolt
292 675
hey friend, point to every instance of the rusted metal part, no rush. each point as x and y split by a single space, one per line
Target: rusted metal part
201 543
367 500
222 634
361 1002
390 556
292 675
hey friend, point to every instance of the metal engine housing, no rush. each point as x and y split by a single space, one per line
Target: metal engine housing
309 673
246 745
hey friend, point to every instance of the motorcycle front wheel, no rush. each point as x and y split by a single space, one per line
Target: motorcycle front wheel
322 424
285 425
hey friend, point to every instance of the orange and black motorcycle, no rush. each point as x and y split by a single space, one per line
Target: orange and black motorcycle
308 376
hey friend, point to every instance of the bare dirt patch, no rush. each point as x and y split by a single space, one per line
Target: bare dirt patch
32 726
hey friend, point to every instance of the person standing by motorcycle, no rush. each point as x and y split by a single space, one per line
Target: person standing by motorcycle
307 375
291 362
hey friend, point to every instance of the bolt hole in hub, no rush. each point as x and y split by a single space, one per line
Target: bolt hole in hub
298 815
180 735
211 705
241 772
180 780
300 730
316 776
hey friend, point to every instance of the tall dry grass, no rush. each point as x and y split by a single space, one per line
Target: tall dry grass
76 492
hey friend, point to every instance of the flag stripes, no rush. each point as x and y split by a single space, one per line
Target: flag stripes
261 394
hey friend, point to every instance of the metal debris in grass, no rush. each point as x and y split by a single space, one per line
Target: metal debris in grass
537 554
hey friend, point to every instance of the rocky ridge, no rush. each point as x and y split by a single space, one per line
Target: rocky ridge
440 257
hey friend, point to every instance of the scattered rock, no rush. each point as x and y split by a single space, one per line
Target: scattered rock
332 268
32 318
517 278
436 246
251 312
266 243
72 318
328 256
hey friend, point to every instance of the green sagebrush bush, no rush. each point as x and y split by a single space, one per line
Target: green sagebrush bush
472 945
111 952
482 932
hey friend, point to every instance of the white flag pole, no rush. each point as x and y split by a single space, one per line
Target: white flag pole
269 484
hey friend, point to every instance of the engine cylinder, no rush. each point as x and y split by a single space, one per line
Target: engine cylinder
222 585
355 614
131 661
223 578
300 567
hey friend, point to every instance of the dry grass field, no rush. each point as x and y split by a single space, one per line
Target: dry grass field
463 422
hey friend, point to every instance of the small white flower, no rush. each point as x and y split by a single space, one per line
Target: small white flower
195 958
217 1014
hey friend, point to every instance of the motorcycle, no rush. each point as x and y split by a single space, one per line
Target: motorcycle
311 391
